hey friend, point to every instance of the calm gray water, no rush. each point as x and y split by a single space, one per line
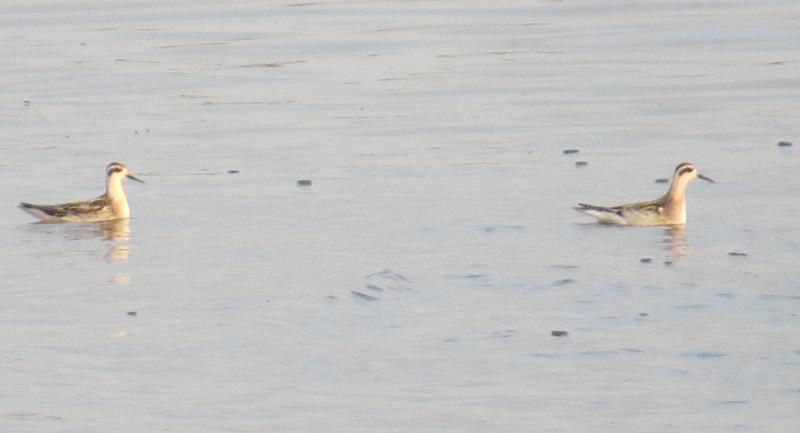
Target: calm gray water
414 286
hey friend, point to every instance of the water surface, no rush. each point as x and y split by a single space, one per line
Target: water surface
415 284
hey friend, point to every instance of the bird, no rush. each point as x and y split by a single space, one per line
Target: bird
669 209
111 205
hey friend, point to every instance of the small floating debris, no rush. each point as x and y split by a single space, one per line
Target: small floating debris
563 282
662 180
503 334
332 297
709 355
581 163
558 333
667 262
733 402
503 228
646 260
233 171
467 276
560 266
737 254
131 313
26 103
784 144
570 151
389 274
363 296
374 288
304 182
643 314
780 297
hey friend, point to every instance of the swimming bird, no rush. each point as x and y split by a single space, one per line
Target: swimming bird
670 209
112 205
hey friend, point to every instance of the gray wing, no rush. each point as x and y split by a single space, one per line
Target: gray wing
65 209
615 209
656 205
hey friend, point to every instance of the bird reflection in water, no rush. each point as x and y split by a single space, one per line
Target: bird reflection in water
117 232
675 242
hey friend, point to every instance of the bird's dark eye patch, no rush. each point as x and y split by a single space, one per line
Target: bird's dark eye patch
685 170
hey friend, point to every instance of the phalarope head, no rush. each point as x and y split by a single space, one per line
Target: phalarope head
115 170
687 171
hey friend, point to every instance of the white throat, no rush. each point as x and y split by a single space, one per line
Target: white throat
114 188
677 190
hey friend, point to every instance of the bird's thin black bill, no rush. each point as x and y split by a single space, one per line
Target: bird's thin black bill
706 178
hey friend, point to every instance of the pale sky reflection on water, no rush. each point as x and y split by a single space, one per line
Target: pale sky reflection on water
415 284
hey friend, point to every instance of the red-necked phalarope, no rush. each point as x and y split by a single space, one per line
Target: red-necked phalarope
112 205
670 209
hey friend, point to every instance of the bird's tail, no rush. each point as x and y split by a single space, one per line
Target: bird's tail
602 214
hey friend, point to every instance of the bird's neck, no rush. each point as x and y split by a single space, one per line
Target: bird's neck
677 191
675 203
114 190
116 196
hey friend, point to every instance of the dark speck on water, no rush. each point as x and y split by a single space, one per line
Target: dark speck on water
132 313
784 144
643 314
769 297
667 262
374 287
563 282
559 333
646 260
467 276
563 267
363 296
570 151
503 334
732 402
709 355
388 274
662 180
689 307
233 171
304 182
581 163
737 254
503 228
